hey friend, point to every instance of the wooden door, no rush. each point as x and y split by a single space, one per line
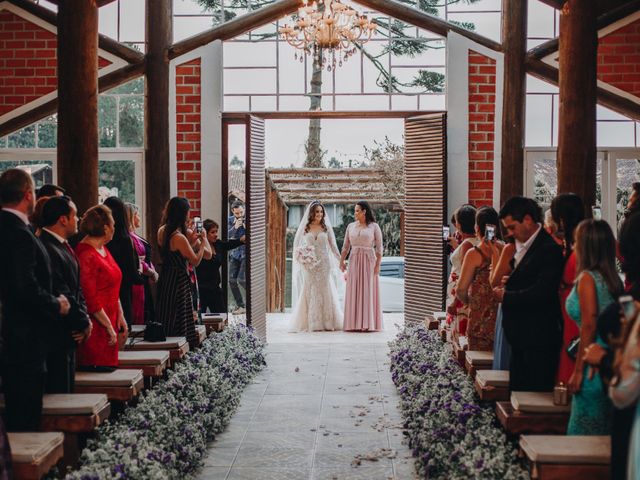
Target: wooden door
256 228
425 212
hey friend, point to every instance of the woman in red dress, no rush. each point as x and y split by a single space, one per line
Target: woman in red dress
567 211
100 279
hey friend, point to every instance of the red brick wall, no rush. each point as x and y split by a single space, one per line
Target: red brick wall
28 63
482 108
188 144
619 58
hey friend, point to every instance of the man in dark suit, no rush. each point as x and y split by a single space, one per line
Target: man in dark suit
29 306
531 315
60 223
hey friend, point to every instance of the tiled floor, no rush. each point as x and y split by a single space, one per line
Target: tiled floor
314 410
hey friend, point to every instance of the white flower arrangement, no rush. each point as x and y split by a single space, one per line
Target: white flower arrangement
451 434
165 435
306 256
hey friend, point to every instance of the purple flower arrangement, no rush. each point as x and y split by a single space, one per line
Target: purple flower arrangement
451 434
165 435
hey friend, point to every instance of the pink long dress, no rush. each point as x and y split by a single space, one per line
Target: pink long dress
362 311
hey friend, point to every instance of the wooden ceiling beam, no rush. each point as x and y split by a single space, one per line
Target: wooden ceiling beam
617 103
237 26
107 82
423 20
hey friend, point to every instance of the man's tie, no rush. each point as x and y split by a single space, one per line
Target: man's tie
70 250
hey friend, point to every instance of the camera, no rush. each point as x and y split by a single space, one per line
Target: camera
445 233
490 233
197 224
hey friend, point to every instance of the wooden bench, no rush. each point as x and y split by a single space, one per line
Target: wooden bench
459 349
432 322
34 454
176 346
214 323
554 457
533 412
121 385
153 363
475 360
136 331
492 385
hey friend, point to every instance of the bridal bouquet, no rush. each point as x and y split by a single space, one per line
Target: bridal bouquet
306 256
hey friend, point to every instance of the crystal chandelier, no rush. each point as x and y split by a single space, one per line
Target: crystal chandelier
330 31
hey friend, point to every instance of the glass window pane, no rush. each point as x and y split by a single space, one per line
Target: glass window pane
131 121
616 134
250 81
184 27
251 54
545 181
133 87
418 52
108 20
485 23
291 71
236 104
540 20
535 85
107 121
47 135
294 103
40 170
185 7
356 102
404 102
117 178
432 102
538 121
3 142
132 20
25 138
263 104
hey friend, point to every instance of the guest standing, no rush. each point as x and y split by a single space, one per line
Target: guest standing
363 242
100 279
500 270
59 224
567 211
29 306
457 311
124 253
140 293
531 316
208 272
596 287
237 267
174 308
474 287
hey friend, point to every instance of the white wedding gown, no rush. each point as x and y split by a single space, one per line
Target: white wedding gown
318 306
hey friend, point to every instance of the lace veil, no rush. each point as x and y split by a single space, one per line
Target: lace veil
297 277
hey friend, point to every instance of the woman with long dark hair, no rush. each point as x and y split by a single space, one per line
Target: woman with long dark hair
597 284
174 306
363 244
567 211
125 255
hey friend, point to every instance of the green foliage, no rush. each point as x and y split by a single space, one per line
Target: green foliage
334 163
236 163
119 174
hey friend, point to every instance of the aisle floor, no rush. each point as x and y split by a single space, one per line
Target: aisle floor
315 410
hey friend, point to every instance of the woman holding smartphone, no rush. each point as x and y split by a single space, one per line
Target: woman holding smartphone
474 286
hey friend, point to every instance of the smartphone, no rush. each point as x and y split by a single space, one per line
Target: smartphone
197 224
445 233
490 233
596 213
628 307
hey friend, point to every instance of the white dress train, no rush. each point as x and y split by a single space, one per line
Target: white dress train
318 306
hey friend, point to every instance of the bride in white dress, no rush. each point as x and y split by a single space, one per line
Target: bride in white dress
315 274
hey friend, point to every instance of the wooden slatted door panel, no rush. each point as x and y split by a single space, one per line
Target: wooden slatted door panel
256 228
425 211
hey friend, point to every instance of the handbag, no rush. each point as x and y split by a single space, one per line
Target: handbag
154 332
573 347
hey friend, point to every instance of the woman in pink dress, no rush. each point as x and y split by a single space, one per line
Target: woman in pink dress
363 241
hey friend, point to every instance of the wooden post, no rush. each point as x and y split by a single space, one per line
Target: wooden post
77 163
159 35
578 94
514 38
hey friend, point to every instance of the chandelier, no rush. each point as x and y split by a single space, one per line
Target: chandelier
330 30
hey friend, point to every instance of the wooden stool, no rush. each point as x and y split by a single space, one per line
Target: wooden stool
475 360
492 385
34 454
176 346
459 349
214 323
432 322
153 363
201 330
533 412
554 457
121 385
